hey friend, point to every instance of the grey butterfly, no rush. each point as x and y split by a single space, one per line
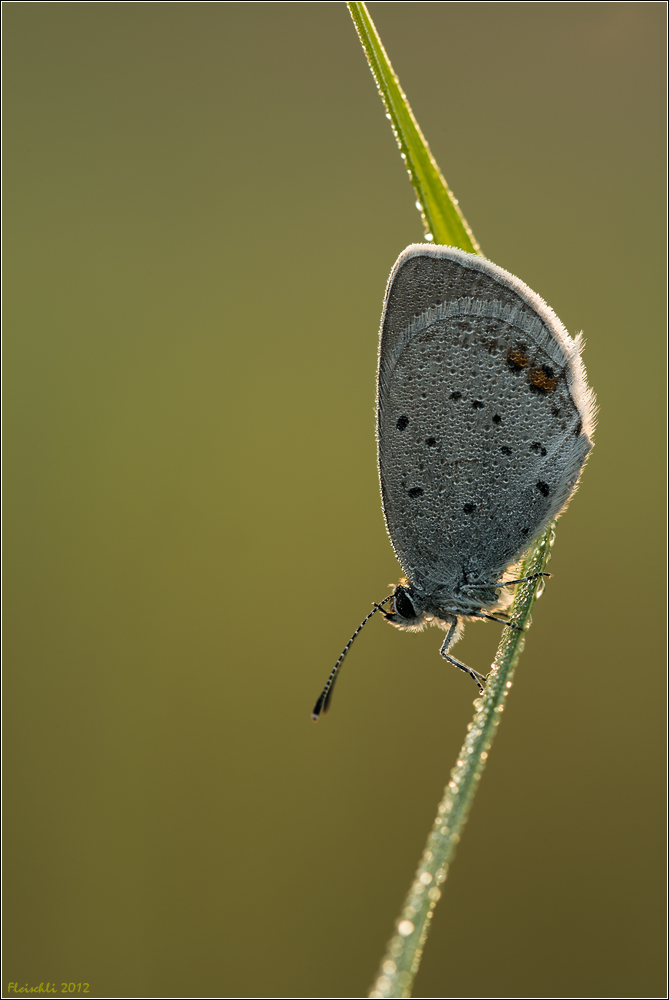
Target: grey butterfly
484 422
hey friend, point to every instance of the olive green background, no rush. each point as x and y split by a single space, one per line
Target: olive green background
203 203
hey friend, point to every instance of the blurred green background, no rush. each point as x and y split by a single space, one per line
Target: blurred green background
203 203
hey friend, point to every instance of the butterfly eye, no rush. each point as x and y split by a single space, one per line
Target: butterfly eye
403 605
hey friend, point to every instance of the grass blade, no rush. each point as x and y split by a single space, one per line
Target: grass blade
443 220
444 223
402 959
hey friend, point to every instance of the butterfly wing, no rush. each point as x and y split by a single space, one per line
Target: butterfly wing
483 416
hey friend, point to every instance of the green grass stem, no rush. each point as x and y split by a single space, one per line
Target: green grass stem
405 949
442 218
444 223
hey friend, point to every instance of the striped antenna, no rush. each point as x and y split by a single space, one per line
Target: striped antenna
323 702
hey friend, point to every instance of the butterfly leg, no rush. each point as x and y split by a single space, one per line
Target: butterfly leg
523 579
479 679
468 588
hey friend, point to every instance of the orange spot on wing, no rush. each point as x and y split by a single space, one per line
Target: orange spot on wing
543 379
517 358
